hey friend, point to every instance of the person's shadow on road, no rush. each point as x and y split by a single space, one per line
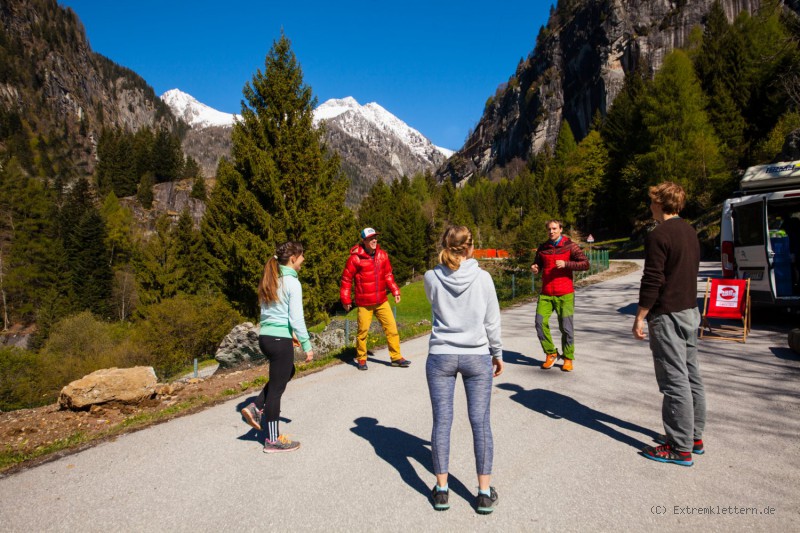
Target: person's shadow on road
516 358
397 448
555 405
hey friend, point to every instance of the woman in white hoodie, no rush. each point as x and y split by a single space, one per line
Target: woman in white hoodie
465 339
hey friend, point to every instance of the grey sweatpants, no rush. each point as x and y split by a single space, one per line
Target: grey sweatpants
673 341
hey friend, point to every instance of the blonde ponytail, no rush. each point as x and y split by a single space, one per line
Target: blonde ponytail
456 243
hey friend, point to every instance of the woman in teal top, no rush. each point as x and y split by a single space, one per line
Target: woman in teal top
281 298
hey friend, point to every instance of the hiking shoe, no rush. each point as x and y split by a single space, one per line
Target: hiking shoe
567 366
486 503
665 454
697 447
550 361
252 416
402 363
283 444
362 365
440 499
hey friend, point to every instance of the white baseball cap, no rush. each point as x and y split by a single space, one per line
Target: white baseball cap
366 233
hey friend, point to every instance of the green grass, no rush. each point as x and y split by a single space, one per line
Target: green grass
413 307
9 458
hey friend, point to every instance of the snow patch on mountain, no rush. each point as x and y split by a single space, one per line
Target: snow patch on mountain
195 113
349 111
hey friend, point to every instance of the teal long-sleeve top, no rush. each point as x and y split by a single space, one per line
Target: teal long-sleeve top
284 316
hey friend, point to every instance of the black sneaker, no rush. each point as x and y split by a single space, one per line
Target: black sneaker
440 499
362 365
697 446
665 454
486 503
402 363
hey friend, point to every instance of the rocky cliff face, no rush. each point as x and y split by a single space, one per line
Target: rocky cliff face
53 80
578 68
170 198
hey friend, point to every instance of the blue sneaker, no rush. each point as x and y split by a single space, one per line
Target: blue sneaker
402 363
665 454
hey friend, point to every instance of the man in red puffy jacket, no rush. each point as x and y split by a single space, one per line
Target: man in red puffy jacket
368 267
556 259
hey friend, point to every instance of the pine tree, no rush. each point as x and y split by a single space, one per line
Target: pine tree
119 224
683 147
84 237
158 271
586 178
405 233
376 207
33 260
167 156
87 257
144 192
199 191
717 66
142 153
285 175
191 169
186 244
625 137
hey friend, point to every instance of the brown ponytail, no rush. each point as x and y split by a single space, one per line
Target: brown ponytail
268 288
456 242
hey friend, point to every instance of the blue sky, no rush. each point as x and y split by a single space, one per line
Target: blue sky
431 63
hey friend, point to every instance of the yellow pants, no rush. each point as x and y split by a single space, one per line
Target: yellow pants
386 318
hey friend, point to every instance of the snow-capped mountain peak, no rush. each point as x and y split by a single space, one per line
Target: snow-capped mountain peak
379 118
195 113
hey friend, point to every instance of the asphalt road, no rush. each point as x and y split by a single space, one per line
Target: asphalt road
566 448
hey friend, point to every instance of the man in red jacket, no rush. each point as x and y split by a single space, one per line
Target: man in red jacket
556 259
369 267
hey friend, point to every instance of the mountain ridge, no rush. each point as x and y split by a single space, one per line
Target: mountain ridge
372 143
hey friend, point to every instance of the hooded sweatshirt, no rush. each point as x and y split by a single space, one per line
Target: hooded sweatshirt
466 314
285 316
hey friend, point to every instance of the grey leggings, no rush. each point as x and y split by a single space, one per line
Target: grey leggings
476 371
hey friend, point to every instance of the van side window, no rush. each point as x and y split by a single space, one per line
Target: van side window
748 225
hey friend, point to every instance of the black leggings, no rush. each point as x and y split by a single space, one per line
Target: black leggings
280 352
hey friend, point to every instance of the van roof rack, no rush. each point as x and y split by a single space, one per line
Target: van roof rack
771 177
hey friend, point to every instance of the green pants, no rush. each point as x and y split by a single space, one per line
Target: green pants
564 306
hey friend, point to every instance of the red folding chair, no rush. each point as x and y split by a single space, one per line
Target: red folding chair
726 299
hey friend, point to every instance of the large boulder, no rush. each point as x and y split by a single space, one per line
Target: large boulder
118 385
239 347
330 340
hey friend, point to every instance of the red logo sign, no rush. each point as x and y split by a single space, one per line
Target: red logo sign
727 293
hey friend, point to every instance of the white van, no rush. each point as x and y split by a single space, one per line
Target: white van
760 234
